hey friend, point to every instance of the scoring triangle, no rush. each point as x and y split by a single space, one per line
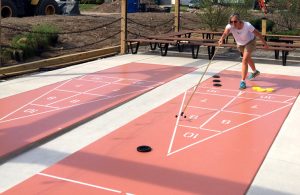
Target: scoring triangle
26 111
185 137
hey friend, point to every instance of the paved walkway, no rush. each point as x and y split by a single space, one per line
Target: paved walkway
279 173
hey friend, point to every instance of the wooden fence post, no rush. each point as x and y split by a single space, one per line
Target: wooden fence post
177 15
123 26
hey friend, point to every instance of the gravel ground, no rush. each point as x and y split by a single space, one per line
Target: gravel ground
93 23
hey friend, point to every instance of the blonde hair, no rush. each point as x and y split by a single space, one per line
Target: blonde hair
234 15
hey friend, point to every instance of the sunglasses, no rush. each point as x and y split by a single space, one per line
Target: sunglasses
235 21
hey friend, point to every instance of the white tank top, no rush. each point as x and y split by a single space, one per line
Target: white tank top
244 35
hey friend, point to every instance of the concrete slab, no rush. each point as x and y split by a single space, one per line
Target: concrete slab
277 175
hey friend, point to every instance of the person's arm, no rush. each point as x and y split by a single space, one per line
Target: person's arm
258 34
224 35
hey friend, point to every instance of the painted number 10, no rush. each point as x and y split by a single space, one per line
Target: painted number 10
190 135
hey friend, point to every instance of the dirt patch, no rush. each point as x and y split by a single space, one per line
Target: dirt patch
114 7
98 29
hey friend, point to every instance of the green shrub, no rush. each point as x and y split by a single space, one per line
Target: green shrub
37 41
213 16
257 24
99 2
295 32
287 13
26 44
46 33
5 55
86 7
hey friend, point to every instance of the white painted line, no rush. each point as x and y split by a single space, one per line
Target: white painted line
170 153
224 89
204 129
176 125
256 98
41 105
79 182
241 113
228 103
268 113
214 94
258 93
35 99
4 121
64 99
192 127
210 118
118 79
69 91
61 108
97 95
95 81
213 109
288 100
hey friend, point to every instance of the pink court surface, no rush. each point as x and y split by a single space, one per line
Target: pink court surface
217 149
28 118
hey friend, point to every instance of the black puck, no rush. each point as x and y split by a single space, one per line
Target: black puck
216 81
144 148
217 85
216 76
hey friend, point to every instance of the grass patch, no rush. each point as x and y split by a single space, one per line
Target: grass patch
87 7
35 42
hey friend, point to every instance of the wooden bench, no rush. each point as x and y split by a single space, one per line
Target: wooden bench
283 38
284 49
289 39
162 44
185 33
162 41
280 44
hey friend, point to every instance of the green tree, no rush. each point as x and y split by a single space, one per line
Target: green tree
215 13
286 13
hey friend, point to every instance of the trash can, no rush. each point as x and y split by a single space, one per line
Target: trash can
132 6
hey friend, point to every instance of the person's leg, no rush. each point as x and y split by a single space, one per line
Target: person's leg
255 72
244 67
245 61
251 64
250 48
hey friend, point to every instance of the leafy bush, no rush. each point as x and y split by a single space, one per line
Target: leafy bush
288 13
5 55
215 14
295 32
25 43
35 42
99 2
257 24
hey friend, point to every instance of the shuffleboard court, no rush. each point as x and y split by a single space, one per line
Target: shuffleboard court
217 149
27 118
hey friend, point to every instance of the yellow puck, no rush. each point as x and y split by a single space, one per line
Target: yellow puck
261 90
270 89
255 88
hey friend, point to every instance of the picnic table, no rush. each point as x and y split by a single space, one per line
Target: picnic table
182 38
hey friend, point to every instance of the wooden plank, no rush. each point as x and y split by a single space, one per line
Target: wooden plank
58 60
